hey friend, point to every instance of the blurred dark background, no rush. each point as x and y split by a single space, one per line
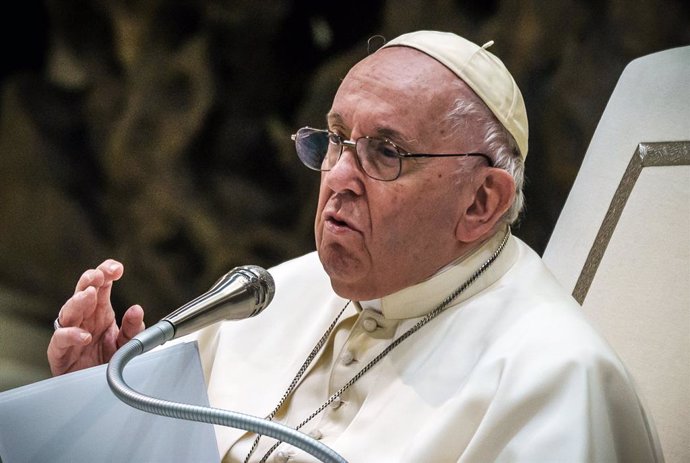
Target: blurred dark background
157 132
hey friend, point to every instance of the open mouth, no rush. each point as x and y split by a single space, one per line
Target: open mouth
338 222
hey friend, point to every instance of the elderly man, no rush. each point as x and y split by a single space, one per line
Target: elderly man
421 330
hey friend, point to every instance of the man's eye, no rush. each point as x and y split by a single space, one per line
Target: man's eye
389 152
384 149
335 138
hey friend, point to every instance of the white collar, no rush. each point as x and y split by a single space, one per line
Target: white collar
417 300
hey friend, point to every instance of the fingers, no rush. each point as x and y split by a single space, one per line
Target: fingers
110 270
64 338
61 345
132 324
90 306
78 308
89 334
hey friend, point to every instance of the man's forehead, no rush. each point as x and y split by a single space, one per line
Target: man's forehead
402 62
397 83
411 74
400 94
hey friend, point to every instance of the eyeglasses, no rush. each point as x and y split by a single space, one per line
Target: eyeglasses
379 158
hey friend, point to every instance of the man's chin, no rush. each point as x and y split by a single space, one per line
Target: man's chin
347 272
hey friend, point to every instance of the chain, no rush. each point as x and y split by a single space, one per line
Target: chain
426 319
299 374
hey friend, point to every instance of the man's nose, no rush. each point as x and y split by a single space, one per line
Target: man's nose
347 173
350 149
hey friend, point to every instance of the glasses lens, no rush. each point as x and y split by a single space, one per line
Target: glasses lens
312 146
320 150
379 158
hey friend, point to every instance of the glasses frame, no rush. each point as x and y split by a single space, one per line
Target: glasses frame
402 154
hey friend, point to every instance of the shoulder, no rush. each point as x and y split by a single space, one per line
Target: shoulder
298 267
302 276
532 323
301 285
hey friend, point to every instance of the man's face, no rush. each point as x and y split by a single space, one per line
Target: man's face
375 237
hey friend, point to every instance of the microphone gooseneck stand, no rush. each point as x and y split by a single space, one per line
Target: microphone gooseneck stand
160 333
241 293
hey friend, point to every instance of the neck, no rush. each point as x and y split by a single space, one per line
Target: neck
416 300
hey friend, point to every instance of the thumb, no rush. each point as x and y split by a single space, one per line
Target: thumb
132 324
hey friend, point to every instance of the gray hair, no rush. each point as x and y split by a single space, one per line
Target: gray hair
498 143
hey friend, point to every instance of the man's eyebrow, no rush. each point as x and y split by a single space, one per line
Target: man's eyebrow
391 134
334 118
404 142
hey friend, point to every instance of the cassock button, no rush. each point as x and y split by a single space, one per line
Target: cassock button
369 324
347 357
336 403
315 434
282 456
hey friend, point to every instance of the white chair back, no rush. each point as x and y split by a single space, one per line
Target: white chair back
622 241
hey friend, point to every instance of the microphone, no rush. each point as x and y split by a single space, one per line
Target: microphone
241 293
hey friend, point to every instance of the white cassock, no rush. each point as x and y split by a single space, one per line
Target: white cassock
510 372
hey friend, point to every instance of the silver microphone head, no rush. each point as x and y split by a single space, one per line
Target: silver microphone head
241 293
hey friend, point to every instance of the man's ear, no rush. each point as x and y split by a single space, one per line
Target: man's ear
494 193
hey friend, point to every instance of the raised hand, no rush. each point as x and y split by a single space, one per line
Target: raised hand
88 334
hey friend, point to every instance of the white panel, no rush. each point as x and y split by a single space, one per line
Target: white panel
640 294
76 418
640 299
650 103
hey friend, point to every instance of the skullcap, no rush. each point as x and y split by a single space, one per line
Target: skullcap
481 70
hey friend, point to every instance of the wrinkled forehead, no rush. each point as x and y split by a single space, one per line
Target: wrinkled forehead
400 83
405 68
